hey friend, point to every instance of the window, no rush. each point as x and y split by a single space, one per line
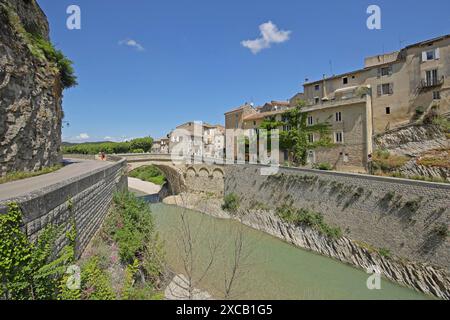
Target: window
432 77
430 55
386 71
317 87
388 110
385 88
436 95
316 100
311 138
310 121
345 80
338 116
254 123
339 137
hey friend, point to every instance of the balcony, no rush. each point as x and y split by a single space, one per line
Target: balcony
431 83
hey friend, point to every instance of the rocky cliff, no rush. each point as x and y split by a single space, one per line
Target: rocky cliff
31 84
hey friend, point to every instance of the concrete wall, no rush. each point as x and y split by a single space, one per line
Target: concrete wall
86 199
396 214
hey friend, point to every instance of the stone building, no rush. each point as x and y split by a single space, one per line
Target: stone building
391 90
198 139
160 146
404 84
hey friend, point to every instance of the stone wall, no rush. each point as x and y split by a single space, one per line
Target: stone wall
395 214
30 92
86 199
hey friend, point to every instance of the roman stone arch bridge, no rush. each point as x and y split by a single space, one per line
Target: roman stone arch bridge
182 176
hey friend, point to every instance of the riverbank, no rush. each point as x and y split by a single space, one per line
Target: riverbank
423 278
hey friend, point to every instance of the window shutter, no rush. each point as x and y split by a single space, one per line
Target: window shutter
391 70
379 72
424 56
391 88
379 90
437 53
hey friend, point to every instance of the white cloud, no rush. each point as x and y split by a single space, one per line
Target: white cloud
132 43
82 136
269 34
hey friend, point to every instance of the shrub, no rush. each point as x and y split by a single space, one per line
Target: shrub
138 151
384 252
443 123
323 166
309 218
441 229
150 174
231 203
31 271
384 161
420 110
144 144
95 282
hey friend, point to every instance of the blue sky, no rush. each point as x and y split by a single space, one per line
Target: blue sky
186 61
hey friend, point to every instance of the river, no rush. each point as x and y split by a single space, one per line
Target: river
272 269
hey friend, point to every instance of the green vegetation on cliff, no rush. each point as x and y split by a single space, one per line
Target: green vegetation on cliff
150 174
309 218
139 145
42 49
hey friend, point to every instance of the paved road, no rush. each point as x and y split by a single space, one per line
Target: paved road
72 168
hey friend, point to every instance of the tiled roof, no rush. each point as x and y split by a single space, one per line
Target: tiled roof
262 115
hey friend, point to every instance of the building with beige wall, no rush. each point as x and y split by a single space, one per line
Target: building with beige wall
160 146
199 139
391 90
404 84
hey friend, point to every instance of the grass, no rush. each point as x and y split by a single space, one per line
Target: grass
311 219
126 259
323 166
437 158
150 174
231 203
386 162
20 175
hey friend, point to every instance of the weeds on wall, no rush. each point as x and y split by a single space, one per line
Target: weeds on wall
308 218
231 203
43 49
31 271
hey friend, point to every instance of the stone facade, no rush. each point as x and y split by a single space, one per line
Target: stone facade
401 82
86 199
30 92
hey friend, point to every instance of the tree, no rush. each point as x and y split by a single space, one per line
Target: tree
141 143
295 134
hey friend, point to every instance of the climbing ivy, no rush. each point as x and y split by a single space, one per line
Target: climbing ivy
30 271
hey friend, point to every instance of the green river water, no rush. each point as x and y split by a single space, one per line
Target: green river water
273 269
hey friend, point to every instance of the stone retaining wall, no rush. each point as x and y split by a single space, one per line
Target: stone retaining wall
399 215
86 199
